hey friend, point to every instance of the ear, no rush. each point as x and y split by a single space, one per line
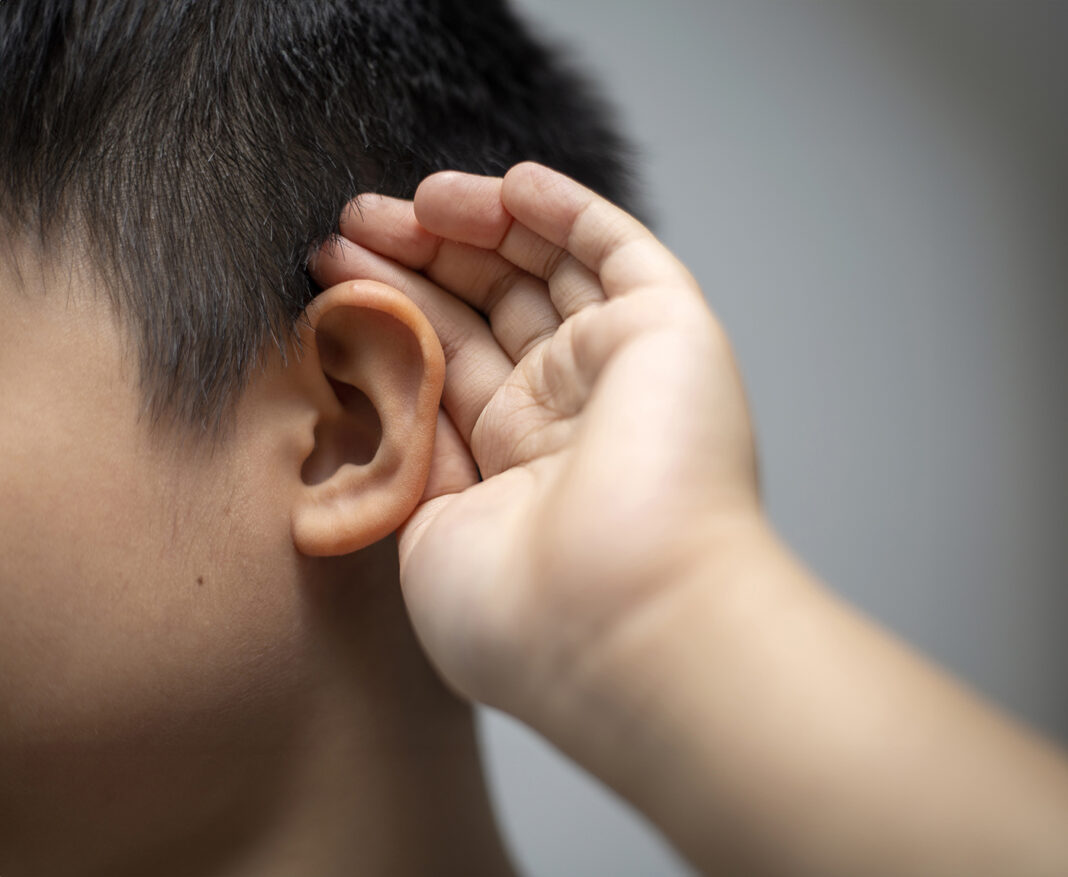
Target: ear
382 371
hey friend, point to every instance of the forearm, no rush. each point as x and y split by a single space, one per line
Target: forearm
767 728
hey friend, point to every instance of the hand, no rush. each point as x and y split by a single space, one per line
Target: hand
611 580
599 402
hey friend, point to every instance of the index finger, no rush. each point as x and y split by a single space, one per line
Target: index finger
544 210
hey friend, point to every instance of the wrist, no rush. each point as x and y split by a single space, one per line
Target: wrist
626 707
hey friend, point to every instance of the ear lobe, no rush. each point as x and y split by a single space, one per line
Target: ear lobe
382 371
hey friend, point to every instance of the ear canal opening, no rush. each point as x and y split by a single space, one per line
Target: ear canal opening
353 437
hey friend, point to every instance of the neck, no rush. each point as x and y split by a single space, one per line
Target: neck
399 800
385 773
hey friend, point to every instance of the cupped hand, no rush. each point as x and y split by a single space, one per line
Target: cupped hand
593 438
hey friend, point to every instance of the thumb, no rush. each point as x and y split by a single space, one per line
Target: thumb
452 468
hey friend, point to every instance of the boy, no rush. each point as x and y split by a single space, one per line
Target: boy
580 543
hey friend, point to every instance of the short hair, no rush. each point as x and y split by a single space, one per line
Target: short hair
197 149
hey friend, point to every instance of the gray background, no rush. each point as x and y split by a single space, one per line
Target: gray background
874 198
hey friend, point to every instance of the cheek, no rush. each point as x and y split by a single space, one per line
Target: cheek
153 667
133 595
135 702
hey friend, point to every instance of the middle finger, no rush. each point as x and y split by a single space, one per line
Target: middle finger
517 304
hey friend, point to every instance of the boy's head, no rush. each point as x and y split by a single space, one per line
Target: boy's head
179 430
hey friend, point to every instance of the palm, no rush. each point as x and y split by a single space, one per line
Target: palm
584 419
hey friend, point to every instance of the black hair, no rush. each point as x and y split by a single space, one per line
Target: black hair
199 148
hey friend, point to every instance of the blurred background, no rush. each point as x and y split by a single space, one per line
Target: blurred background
874 196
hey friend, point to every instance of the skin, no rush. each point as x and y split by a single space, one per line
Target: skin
628 599
207 664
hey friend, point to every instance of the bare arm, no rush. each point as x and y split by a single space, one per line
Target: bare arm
766 727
